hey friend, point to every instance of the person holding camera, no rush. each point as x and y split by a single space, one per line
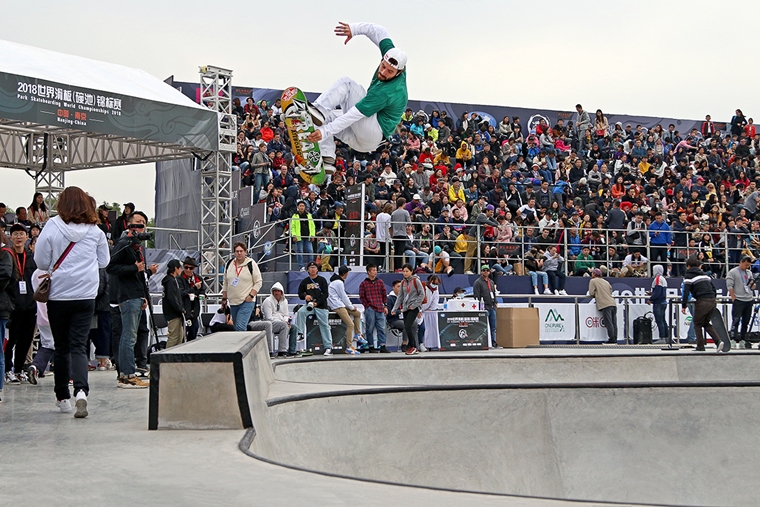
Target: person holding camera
314 290
194 288
221 320
174 309
242 282
128 265
740 283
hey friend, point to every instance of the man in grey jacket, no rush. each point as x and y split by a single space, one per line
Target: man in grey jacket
583 123
738 283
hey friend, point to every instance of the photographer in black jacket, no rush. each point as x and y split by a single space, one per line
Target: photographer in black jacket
699 285
313 290
128 265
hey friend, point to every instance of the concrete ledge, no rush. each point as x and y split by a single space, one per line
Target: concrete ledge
202 384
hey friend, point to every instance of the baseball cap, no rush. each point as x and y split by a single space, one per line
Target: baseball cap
436 249
490 207
416 197
131 205
597 272
445 208
343 270
312 263
485 267
396 58
18 227
173 264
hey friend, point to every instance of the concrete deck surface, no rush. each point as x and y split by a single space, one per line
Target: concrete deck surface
111 459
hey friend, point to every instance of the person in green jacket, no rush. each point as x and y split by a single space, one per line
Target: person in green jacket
584 263
365 117
303 233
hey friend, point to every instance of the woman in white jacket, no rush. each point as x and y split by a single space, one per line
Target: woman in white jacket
73 288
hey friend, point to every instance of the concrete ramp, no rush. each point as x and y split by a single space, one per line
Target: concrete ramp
659 445
209 383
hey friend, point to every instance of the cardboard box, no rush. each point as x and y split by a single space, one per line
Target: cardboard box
517 327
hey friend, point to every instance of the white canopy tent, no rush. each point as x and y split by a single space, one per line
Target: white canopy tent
62 112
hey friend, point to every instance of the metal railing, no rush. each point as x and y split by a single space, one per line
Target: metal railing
718 256
674 325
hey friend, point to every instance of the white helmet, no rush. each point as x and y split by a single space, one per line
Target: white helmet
395 58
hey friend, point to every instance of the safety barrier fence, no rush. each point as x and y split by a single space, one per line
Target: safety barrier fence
583 306
470 254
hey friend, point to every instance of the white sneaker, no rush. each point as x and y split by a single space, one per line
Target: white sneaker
422 348
556 292
328 352
64 405
10 378
22 377
302 269
317 117
535 291
547 291
563 292
469 273
81 404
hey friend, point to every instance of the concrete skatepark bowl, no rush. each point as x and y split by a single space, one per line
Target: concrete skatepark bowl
622 427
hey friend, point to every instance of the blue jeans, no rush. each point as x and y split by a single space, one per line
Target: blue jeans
662 323
3 323
303 246
691 335
534 278
130 319
260 181
324 326
492 324
374 320
241 314
502 269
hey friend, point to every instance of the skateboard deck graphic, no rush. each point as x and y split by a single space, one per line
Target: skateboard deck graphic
716 319
298 121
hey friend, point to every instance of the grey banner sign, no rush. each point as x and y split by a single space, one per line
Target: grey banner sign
98 111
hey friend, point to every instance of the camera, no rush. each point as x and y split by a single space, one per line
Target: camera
310 306
142 236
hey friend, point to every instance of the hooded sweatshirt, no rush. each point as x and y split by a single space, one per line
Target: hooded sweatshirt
659 286
77 276
336 294
270 304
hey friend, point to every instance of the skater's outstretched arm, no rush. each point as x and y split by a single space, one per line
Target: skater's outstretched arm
375 33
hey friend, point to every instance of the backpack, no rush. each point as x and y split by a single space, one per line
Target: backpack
227 266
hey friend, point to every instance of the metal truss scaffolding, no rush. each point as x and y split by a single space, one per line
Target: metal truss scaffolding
216 177
46 153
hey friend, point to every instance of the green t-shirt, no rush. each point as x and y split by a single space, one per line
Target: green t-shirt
386 98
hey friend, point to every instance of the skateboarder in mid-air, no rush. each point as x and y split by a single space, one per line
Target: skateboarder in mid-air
367 117
699 285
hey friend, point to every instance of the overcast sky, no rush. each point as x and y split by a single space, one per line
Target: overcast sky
679 59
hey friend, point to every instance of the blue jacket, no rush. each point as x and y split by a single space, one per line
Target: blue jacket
663 238
659 295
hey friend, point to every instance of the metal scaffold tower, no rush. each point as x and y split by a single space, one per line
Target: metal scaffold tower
216 176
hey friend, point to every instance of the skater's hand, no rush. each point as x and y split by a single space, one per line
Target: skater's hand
315 136
683 310
344 30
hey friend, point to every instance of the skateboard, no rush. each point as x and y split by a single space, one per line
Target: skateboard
298 121
716 319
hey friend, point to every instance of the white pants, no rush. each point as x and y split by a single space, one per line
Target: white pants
365 135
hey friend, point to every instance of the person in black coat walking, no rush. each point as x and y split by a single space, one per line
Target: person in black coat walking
172 304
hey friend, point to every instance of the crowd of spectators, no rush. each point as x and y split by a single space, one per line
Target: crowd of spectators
618 197
88 289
